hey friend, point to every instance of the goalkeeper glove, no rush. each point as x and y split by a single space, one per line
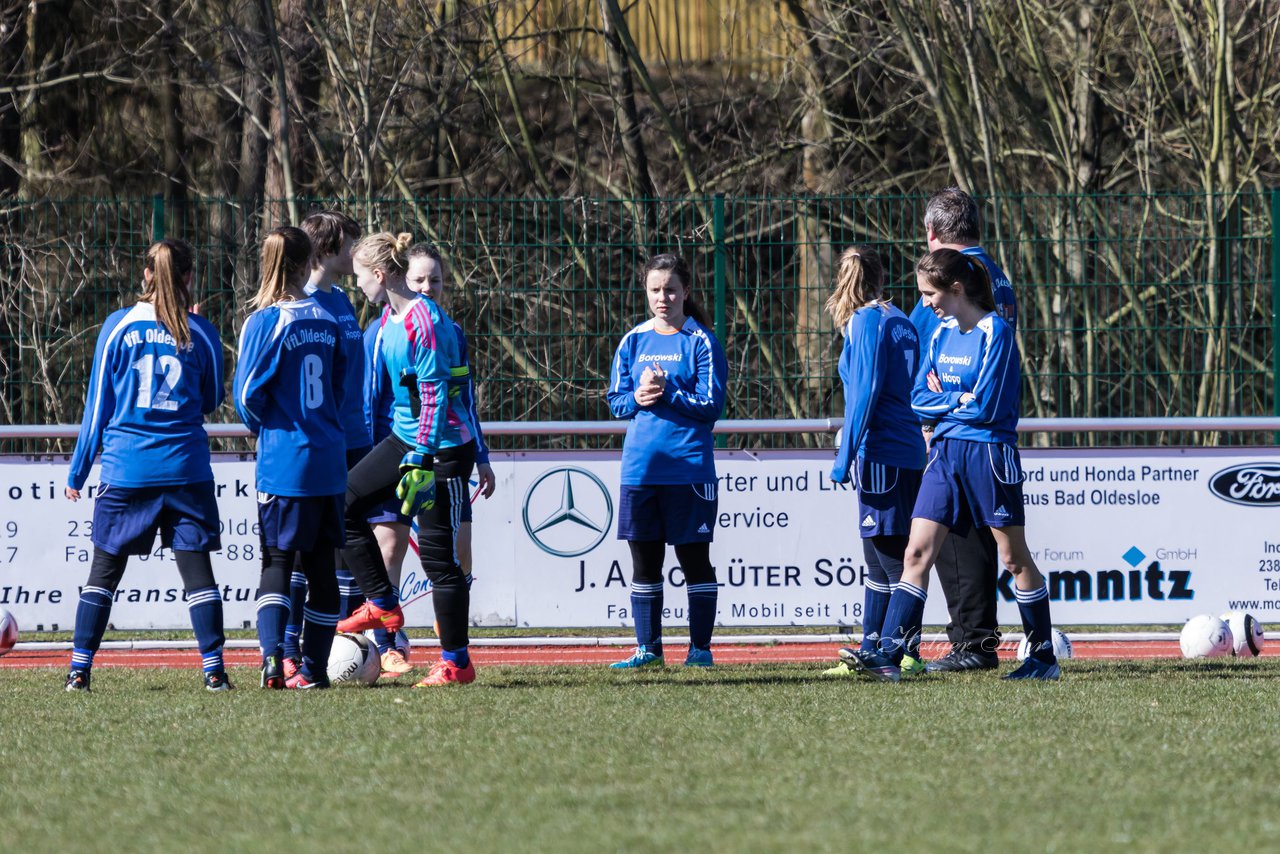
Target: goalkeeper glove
417 489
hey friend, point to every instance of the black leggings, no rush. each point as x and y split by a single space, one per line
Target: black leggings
372 482
194 567
317 566
647 557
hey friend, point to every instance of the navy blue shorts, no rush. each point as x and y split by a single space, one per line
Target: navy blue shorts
388 513
886 498
459 504
968 484
669 513
125 519
302 524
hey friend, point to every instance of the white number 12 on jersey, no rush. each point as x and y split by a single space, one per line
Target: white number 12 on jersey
172 370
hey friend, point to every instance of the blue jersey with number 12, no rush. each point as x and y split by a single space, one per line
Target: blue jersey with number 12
147 401
289 392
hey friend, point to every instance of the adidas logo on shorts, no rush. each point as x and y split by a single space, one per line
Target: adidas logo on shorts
868 522
703 529
1000 511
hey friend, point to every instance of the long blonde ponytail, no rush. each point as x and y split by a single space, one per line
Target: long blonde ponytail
170 261
286 260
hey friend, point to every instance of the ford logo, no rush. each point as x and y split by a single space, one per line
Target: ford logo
1251 484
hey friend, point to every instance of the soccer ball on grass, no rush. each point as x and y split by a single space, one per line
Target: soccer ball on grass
353 659
1246 634
1205 636
1061 646
8 631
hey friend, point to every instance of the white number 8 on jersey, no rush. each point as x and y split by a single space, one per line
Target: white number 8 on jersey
312 381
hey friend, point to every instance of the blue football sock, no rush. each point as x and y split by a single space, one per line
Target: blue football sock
349 595
875 605
273 611
1033 606
384 640
92 615
875 596
317 639
297 600
702 613
902 620
386 603
458 656
646 609
205 605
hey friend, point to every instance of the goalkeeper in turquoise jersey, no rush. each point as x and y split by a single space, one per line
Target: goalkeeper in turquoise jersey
881 449
157 371
668 382
416 351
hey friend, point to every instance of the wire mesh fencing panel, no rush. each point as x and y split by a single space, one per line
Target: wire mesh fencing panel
1154 305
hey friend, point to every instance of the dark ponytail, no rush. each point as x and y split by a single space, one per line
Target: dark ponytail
675 265
942 268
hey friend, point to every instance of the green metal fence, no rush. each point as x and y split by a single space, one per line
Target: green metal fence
1147 305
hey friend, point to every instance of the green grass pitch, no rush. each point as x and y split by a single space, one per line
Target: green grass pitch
1119 756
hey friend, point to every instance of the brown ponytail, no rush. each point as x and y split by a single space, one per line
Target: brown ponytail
170 261
859 280
286 260
942 268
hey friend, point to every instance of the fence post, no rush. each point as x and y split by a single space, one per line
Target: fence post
157 218
1275 305
717 235
717 229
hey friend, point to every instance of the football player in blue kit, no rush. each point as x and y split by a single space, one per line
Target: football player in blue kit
881 447
332 235
668 381
416 350
968 566
289 393
969 384
157 371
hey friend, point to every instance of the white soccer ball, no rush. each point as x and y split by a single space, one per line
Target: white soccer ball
1061 646
353 659
8 631
1205 636
401 642
1246 633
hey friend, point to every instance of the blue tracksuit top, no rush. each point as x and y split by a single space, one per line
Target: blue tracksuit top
337 304
877 365
983 361
379 399
463 417
289 391
146 402
671 441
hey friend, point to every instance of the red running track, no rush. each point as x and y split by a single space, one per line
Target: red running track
543 656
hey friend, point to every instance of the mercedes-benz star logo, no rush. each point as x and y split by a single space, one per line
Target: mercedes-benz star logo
568 511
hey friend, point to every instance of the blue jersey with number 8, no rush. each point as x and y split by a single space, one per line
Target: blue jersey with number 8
147 401
289 391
